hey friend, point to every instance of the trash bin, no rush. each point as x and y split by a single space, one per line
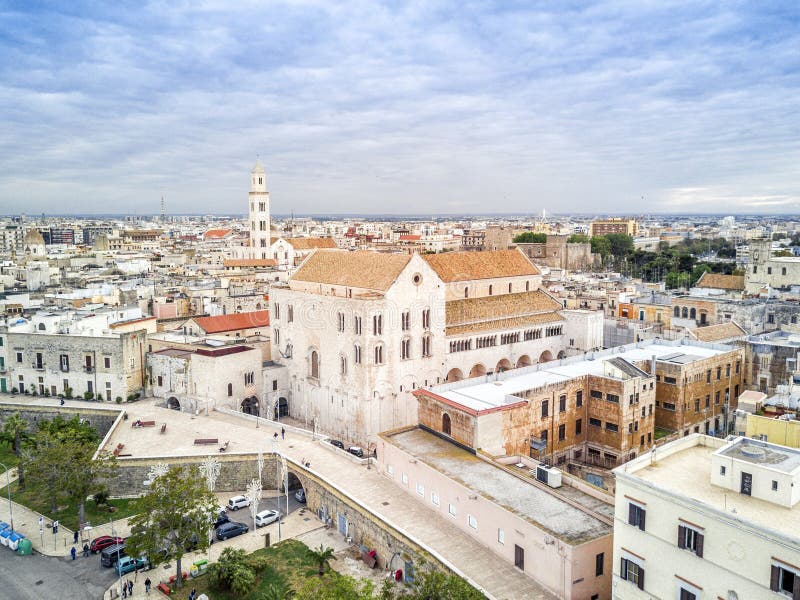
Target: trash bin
198 568
14 539
24 548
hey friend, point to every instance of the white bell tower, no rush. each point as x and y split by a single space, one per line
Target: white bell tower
259 213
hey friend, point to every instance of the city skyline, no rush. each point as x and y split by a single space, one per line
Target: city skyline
447 109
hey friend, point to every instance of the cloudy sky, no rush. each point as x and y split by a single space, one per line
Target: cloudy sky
424 107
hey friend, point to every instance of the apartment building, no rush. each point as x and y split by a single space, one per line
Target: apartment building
75 353
613 225
359 331
702 519
767 271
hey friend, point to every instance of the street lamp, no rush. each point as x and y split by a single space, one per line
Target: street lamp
10 511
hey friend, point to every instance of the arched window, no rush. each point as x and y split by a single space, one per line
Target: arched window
446 424
684 312
693 313
41 326
466 292
490 289
230 390
527 286
379 354
343 365
509 288
314 364
677 311
357 354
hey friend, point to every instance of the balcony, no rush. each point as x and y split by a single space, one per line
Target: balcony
88 368
38 366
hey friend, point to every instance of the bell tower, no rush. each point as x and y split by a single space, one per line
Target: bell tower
259 213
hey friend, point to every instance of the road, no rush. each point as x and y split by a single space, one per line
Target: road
35 577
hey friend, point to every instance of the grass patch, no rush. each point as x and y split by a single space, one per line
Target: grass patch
67 512
7 457
288 565
661 433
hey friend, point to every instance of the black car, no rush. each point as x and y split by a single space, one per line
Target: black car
221 519
231 529
336 443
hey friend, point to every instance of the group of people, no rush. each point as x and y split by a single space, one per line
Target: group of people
127 588
283 434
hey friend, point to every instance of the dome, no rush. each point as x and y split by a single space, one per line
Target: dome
34 238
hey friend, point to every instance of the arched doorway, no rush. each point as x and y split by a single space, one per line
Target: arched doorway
503 365
523 361
545 356
250 406
314 364
282 408
446 424
477 370
561 354
173 403
454 375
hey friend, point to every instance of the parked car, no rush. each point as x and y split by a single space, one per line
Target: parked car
111 554
104 541
238 502
265 517
356 451
300 495
231 529
337 443
128 564
221 519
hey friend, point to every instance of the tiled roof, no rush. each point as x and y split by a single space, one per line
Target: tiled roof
410 237
234 322
311 242
507 311
216 234
489 264
719 281
510 323
360 269
249 262
713 333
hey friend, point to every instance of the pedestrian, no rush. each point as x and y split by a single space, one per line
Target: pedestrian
75 537
283 433
55 527
275 436
62 402
86 550
193 594
130 588
147 584
124 591
72 552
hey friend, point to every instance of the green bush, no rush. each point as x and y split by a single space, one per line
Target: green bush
233 571
88 395
119 399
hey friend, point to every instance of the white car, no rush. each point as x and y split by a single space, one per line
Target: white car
238 502
265 517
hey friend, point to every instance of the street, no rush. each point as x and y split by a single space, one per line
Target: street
35 577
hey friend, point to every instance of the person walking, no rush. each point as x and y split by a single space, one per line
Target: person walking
147 584
124 591
86 550
75 537
283 433
130 588
72 552
55 527
275 436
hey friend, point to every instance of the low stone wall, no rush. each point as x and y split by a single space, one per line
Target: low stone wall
100 419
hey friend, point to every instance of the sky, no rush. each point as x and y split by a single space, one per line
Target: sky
429 107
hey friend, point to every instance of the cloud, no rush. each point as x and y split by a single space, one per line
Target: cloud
401 107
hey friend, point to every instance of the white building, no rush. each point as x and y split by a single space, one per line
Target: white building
359 331
259 213
702 519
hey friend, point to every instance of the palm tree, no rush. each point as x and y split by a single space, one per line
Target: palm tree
321 556
15 433
276 591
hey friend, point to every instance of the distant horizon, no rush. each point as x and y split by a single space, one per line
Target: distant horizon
369 108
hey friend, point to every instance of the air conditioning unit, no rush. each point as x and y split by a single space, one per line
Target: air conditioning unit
549 475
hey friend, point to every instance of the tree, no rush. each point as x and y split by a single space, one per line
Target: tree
174 515
430 584
233 571
279 591
578 238
601 245
620 244
15 433
529 237
321 556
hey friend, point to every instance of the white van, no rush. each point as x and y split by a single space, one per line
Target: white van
238 502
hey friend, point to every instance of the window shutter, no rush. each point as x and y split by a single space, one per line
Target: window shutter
681 537
642 515
623 569
641 578
775 579
631 514
796 588
699 545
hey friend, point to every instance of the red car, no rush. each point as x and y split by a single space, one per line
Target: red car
104 541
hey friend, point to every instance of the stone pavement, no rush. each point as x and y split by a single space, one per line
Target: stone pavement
383 498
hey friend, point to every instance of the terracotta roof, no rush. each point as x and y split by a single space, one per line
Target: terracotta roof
234 322
224 351
217 234
721 282
359 269
504 305
509 323
713 333
410 237
489 264
249 262
311 242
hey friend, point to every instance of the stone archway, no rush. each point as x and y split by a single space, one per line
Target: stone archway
523 361
561 354
250 406
503 365
282 408
477 370
545 356
446 425
454 375
173 403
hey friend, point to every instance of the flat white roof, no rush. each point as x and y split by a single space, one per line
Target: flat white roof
484 395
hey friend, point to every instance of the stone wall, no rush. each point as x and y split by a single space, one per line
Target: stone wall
101 420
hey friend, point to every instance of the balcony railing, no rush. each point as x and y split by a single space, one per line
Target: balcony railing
88 368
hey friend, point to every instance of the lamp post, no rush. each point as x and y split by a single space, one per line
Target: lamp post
10 510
